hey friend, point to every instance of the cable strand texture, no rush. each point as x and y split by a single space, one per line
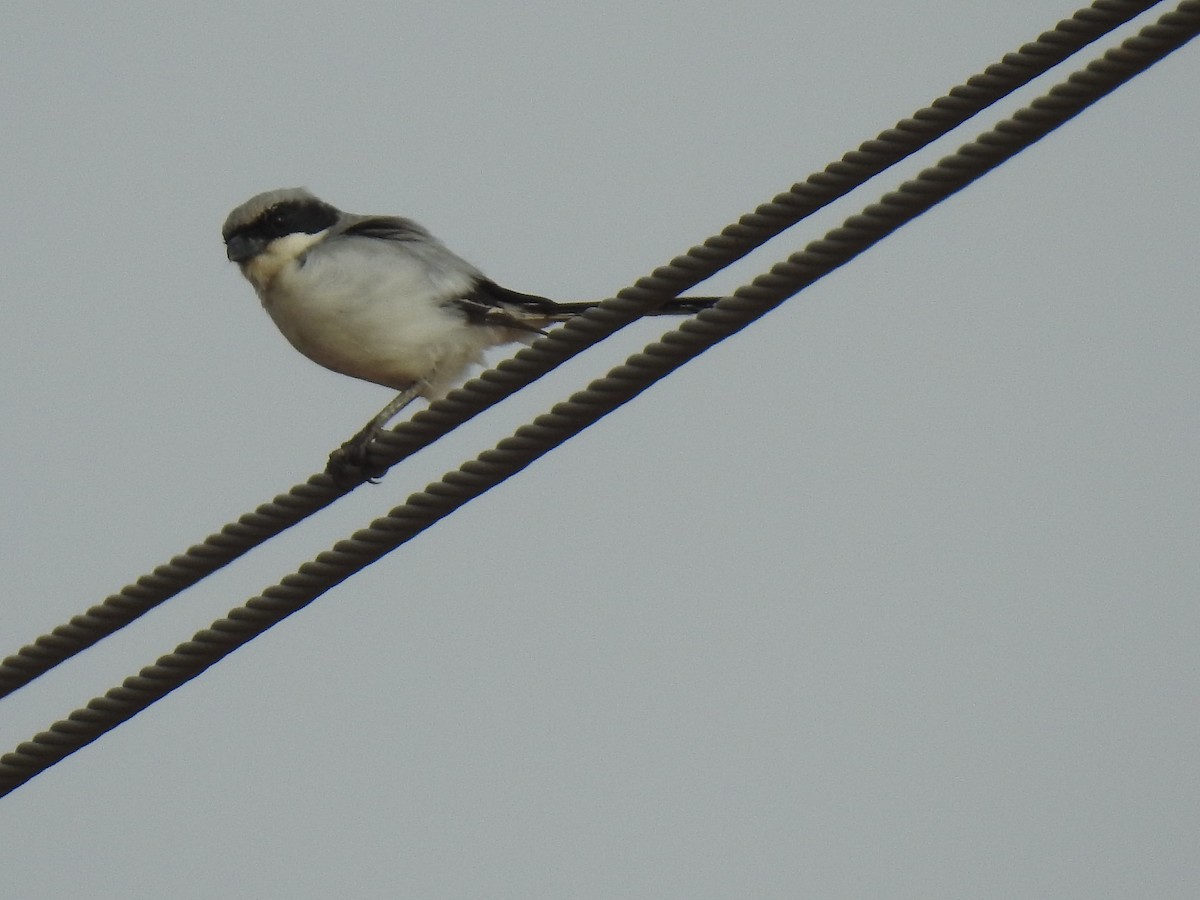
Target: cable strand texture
585 407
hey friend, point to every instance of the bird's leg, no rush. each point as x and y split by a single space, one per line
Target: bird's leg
385 415
353 453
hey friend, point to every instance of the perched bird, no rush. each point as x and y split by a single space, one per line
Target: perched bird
379 298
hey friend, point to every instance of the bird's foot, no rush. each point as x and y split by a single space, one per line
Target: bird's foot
350 464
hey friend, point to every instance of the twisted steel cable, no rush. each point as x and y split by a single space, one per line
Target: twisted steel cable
683 272
640 371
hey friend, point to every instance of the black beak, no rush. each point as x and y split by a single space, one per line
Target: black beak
241 247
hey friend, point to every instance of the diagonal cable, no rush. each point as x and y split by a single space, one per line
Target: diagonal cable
699 263
641 370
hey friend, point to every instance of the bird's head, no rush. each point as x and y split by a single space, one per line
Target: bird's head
273 228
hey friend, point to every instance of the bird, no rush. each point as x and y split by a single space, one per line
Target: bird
381 299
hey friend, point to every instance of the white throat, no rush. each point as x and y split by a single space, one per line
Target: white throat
262 269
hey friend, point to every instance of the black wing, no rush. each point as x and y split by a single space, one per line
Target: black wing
387 228
487 303
490 304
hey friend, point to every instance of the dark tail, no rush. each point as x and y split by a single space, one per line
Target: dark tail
680 306
488 299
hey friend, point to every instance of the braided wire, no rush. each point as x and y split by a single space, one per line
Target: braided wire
754 229
566 419
683 272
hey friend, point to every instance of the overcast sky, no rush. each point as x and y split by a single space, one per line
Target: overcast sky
893 595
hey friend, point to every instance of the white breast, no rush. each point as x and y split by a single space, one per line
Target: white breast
374 310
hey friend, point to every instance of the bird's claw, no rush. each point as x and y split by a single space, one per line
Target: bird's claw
350 464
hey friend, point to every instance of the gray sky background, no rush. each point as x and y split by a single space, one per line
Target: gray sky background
893 595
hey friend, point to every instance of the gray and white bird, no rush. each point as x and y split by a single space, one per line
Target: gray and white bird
379 298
